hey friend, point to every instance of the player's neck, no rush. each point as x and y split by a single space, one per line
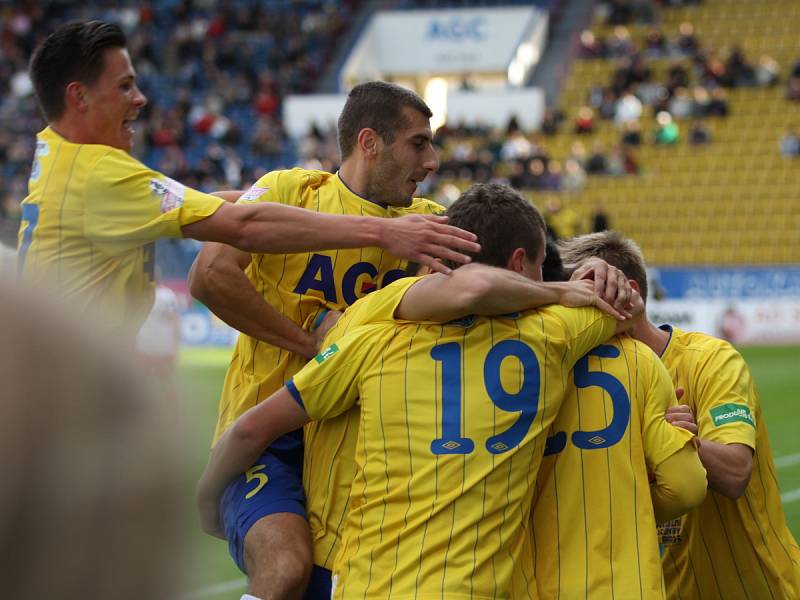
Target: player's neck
71 129
354 177
656 338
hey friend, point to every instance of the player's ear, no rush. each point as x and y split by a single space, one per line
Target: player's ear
75 96
635 285
516 262
369 142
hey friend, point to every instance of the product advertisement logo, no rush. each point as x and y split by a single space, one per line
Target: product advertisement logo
730 413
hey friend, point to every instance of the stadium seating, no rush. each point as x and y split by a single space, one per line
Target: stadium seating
734 201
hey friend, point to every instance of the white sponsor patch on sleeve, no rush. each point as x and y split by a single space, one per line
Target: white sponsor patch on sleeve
254 193
170 193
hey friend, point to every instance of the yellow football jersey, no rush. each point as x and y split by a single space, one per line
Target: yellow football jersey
329 445
593 526
301 285
89 222
452 429
728 548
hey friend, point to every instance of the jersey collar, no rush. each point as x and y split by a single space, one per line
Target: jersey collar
668 328
362 198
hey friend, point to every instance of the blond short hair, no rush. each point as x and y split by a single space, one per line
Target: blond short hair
612 247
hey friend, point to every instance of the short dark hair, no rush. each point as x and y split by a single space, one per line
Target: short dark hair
502 219
612 247
73 52
379 106
552 266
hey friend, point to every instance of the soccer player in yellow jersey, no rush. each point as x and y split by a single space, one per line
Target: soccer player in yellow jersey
93 212
275 300
593 528
452 427
736 544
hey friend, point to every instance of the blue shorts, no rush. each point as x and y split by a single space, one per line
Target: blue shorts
274 484
319 586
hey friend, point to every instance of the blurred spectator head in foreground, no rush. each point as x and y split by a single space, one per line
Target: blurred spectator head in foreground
88 508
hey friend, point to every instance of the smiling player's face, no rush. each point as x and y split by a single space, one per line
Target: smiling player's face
404 163
113 102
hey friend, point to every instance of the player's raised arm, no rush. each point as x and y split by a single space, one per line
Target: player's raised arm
274 228
240 446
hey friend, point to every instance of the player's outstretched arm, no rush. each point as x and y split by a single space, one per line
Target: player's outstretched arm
218 279
240 446
478 289
680 484
273 228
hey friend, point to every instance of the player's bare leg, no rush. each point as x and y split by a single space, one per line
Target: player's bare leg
277 554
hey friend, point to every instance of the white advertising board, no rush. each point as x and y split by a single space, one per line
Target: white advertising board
749 321
439 42
301 112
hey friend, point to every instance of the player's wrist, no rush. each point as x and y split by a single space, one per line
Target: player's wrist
310 346
374 231
558 291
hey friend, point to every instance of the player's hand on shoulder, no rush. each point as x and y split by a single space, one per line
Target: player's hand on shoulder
424 238
321 330
581 293
610 283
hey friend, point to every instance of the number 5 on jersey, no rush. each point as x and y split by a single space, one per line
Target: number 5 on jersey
620 403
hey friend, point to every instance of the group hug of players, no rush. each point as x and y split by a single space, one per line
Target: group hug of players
475 432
